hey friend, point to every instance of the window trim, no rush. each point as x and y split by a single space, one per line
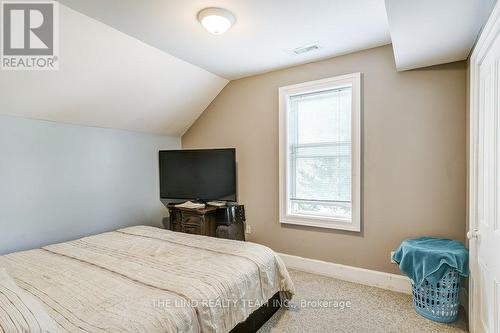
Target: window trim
353 224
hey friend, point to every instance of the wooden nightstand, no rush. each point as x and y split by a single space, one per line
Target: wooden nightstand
227 222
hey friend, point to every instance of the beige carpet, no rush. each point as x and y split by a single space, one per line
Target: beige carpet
372 310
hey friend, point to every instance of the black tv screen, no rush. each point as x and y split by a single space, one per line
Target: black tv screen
205 174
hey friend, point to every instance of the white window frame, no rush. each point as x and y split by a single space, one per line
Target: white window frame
350 80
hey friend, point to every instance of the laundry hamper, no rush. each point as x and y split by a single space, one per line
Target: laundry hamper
438 301
435 267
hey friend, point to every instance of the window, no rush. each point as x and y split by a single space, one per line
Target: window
320 153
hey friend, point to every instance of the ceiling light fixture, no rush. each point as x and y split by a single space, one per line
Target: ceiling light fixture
216 20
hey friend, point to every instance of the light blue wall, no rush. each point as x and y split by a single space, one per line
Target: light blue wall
60 182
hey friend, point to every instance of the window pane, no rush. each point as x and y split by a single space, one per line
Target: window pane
322 210
323 116
323 178
319 136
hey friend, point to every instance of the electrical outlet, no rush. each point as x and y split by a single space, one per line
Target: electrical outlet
392 260
248 229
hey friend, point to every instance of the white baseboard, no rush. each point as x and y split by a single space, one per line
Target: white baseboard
364 276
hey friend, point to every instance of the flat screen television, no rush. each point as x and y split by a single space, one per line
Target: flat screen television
204 174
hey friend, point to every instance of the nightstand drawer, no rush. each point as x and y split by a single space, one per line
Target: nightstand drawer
192 229
192 219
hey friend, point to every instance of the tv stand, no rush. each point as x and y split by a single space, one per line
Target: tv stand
222 222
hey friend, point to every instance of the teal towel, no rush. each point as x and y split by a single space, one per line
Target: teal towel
431 258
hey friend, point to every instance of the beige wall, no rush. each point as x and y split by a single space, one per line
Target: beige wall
413 160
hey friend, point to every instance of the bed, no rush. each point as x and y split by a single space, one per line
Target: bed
146 279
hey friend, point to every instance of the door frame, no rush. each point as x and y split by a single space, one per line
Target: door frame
488 35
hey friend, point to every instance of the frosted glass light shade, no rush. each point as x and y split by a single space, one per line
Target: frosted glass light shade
216 20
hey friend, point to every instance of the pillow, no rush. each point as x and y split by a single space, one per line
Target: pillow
21 312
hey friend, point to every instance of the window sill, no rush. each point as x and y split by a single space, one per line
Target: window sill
318 222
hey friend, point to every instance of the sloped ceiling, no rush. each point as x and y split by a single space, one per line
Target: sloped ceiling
109 79
423 32
430 32
152 68
262 38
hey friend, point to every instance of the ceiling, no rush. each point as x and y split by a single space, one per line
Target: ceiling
262 38
430 32
109 79
149 66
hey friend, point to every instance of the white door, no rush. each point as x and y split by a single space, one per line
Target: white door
484 217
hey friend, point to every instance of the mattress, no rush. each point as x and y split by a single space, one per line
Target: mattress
146 279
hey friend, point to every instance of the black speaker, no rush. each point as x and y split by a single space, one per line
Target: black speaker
230 214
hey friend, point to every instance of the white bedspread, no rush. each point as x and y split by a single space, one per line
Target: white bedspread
145 279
